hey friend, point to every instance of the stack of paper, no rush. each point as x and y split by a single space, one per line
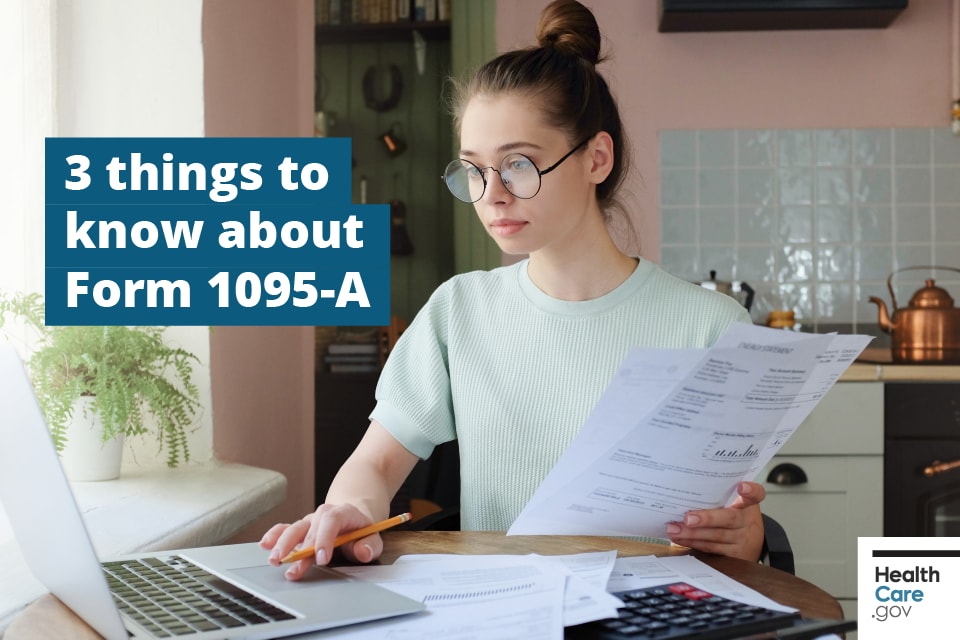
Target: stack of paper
677 430
528 597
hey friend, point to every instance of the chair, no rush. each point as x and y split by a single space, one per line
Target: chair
777 551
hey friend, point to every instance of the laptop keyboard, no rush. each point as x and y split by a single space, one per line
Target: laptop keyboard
174 597
679 610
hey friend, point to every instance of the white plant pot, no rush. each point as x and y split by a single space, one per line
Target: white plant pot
86 458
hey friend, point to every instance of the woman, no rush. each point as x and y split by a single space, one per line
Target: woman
511 361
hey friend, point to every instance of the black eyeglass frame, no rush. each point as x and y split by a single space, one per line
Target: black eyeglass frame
483 172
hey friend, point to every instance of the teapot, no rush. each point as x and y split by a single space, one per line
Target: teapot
928 328
740 291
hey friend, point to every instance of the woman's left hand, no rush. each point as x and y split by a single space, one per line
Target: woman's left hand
735 531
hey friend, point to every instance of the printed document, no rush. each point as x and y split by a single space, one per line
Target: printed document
585 595
644 572
677 430
468 597
518 597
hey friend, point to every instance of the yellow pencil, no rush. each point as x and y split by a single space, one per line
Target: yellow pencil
376 527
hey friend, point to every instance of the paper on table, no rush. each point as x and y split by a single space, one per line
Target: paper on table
644 458
642 572
585 595
520 600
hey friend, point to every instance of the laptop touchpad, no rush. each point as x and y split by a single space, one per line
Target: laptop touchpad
271 578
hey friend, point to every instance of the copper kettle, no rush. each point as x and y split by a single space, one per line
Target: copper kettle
928 329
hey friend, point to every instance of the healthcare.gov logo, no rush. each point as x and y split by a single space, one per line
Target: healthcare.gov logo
907 587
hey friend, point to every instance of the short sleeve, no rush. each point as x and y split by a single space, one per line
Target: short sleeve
413 394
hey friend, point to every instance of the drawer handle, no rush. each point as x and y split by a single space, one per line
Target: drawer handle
787 473
936 467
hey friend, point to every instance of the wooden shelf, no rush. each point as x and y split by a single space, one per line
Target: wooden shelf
382 32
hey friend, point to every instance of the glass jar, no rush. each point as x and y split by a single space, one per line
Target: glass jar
781 319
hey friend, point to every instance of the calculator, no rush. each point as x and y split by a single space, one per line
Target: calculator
680 610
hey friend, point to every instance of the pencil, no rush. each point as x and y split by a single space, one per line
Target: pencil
344 538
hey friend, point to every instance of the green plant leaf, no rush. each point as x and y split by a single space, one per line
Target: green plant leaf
130 372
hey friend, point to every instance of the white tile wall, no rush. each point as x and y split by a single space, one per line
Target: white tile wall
815 220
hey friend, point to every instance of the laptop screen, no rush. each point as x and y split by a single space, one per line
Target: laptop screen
41 508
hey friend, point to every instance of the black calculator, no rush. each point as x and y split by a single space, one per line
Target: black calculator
680 610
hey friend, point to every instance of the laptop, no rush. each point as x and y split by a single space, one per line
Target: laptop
226 591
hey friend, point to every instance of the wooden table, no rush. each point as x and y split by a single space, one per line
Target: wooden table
48 619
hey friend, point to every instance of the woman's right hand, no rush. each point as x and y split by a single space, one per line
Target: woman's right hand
319 529
369 478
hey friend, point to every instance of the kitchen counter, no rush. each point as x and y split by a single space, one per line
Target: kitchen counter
876 365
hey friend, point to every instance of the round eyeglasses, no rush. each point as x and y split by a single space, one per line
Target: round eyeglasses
519 174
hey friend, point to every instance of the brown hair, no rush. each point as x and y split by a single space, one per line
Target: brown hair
561 72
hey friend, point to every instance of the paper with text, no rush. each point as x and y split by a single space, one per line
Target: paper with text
644 572
585 597
467 597
677 430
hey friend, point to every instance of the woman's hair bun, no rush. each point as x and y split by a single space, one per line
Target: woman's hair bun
570 28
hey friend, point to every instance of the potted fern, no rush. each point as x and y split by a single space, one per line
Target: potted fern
127 378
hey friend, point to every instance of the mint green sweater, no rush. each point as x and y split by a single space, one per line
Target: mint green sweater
512 373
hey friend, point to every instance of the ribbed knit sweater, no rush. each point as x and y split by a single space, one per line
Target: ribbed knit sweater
513 373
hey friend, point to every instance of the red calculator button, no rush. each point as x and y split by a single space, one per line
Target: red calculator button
697 594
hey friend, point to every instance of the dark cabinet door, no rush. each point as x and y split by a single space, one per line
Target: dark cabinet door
922 459
343 405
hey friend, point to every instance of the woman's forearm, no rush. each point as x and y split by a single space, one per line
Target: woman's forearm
372 474
360 484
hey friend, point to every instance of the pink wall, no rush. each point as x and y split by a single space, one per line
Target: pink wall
894 77
258 81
